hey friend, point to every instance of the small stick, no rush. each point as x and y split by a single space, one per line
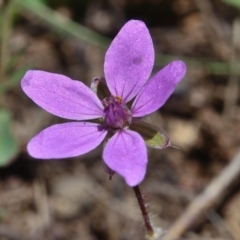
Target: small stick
210 197
147 222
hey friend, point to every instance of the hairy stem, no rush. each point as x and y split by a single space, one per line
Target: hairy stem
147 222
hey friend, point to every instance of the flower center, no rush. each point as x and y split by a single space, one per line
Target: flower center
117 115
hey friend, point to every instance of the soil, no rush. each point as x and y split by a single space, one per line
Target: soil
74 199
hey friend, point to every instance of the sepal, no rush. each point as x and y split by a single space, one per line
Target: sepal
153 136
99 86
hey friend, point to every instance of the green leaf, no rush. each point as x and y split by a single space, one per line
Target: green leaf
153 136
62 23
235 3
43 1
8 146
66 26
7 18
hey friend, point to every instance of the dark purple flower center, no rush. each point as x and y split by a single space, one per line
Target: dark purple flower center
117 115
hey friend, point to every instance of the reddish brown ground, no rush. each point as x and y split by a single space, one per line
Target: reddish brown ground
73 199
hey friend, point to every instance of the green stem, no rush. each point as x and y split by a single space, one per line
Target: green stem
62 23
58 21
6 29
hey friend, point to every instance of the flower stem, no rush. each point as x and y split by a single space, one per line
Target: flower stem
147 222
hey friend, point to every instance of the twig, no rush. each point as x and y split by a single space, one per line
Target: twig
210 197
222 227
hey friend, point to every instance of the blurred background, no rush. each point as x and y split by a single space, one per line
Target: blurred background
73 199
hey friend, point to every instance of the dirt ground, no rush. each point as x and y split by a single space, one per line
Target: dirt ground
73 199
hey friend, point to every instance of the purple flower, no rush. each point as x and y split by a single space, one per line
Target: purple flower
128 65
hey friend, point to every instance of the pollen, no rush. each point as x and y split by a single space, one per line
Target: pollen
111 100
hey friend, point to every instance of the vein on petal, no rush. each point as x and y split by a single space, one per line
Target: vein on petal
70 100
87 134
134 86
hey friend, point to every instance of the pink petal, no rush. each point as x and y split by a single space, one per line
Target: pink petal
126 154
66 140
156 92
61 95
129 60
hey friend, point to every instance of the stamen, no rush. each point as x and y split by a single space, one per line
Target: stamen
117 115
